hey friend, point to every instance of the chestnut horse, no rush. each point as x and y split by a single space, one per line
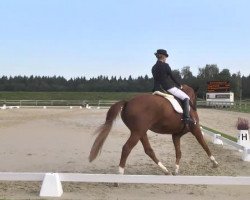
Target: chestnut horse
151 112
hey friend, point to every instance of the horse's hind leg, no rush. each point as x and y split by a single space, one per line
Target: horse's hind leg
126 149
196 131
150 152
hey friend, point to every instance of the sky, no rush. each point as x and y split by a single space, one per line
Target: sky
74 38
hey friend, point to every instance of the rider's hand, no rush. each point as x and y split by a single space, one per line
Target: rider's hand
181 87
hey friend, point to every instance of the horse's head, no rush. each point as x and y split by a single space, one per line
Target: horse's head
192 93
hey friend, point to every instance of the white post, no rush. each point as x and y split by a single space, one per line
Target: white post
216 140
246 154
87 106
243 138
51 186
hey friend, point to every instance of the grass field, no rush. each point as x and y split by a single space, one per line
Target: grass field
243 106
66 95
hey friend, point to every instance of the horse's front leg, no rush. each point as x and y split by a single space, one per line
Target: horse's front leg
176 141
196 131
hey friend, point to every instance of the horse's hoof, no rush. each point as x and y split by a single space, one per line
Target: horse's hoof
168 173
175 173
215 165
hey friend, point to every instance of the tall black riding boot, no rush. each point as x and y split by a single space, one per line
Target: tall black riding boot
186 115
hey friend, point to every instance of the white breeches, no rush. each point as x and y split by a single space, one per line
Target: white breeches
178 93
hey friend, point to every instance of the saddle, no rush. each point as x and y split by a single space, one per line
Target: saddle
176 105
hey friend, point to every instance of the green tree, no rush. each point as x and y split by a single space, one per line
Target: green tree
209 72
224 75
186 73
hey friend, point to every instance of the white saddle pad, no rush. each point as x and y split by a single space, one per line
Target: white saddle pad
177 107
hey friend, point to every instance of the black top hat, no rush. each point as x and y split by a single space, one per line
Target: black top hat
162 51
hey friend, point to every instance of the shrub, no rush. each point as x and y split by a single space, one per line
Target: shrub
242 124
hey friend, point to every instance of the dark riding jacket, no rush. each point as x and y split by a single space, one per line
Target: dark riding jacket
163 77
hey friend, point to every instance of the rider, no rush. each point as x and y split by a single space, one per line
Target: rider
164 81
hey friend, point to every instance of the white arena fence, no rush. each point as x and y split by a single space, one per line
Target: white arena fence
244 105
34 103
218 139
52 182
104 104
100 104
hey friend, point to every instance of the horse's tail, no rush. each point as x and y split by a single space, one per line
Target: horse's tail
104 129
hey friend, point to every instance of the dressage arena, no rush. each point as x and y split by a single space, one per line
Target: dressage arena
59 140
